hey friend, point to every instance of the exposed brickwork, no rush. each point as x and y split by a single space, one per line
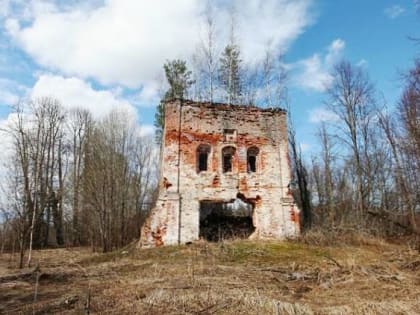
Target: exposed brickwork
175 218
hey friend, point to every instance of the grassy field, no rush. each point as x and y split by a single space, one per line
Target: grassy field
238 277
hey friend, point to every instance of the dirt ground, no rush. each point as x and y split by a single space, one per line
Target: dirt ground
239 277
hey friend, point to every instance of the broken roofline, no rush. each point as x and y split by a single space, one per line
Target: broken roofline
224 106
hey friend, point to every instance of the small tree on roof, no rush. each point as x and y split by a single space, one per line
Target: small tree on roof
179 80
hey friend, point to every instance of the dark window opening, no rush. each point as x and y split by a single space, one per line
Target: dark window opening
227 154
225 220
227 163
251 164
202 162
203 152
252 154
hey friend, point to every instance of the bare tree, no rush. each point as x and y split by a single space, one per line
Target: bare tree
46 171
117 179
14 207
325 178
111 178
300 175
79 125
205 59
273 75
409 117
351 98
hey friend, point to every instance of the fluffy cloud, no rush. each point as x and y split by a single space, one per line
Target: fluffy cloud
10 92
120 42
394 11
334 52
5 7
73 92
314 72
127 41
6 146
314 75
8 98
274 23
149 95
146 130
318 115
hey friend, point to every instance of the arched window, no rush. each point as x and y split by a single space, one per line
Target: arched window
251 158
227 155
203 151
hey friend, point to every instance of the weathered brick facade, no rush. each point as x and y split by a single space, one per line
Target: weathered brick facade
214 155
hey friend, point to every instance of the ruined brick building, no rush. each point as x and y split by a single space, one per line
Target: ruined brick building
224 173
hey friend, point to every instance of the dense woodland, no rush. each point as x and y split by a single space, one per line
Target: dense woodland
74 180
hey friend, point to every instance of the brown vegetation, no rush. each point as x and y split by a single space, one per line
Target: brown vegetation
359 275
366 176
71 179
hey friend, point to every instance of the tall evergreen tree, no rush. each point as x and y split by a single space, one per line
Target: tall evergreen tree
179 80
230 73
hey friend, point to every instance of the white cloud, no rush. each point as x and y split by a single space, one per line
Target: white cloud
394 11
273 23
8 98
73 92
5 7
10 92
120 42
314 72
149 95
6 145
314 75
12 26
362 63
304 147
318 115
334 52
146 130
127 41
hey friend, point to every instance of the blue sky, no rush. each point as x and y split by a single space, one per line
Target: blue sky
376 36
105 54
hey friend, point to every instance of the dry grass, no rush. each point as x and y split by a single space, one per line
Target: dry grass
340 237
240 277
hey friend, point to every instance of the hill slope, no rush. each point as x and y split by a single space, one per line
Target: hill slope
240 277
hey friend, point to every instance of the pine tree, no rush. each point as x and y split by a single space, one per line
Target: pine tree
179 79
230 73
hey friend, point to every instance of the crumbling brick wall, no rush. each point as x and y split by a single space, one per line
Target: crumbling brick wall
220 128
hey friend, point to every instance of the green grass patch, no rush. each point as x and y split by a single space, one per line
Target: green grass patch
270 252
241 252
